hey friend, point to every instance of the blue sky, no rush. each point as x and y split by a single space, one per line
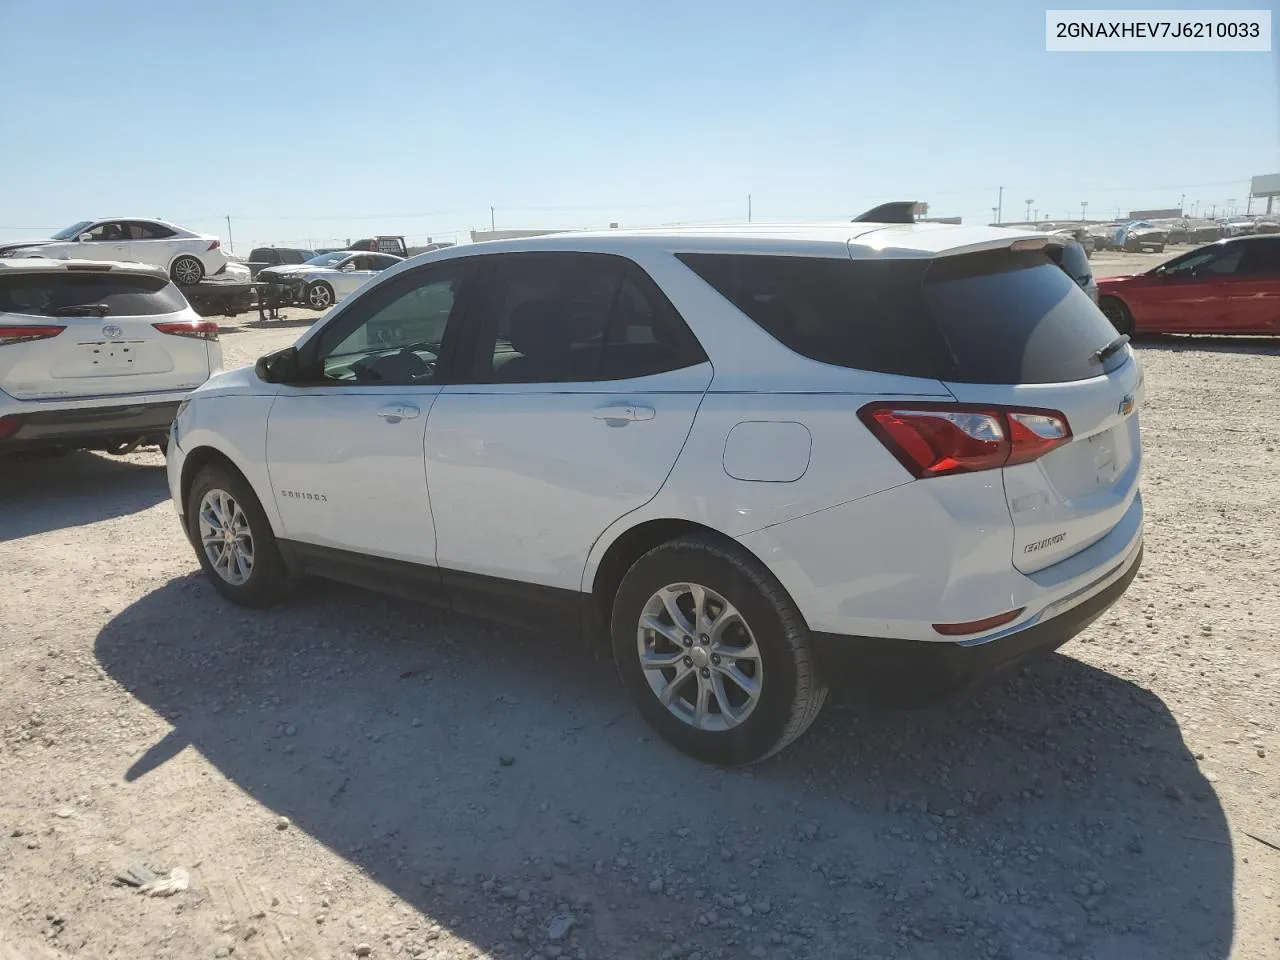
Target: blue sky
321 120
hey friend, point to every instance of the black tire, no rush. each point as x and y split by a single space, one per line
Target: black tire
1119 315
269 578
186 271
319 296
792 690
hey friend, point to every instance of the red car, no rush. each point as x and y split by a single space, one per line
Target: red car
1232 286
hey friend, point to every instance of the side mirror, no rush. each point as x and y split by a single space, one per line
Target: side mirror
348 268
85 237
283 366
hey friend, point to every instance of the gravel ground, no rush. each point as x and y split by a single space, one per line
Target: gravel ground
349 775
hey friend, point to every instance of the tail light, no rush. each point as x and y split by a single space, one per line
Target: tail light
938 439
215 245
23 334
9 425
196 329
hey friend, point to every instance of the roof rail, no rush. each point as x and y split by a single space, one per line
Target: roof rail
898 211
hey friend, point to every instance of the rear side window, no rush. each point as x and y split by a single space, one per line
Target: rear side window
57 293
998 317
293 256
575 317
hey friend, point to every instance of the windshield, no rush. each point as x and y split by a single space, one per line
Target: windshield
329 259
73 231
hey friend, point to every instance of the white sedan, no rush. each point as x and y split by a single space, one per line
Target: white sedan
187 257
325 279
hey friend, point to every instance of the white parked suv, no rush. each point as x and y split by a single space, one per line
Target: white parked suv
742 454
95 355
186 256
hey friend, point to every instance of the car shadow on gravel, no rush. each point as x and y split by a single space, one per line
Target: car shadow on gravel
497 781
41 494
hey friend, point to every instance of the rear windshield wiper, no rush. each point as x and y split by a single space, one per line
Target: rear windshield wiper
1101 355
81 310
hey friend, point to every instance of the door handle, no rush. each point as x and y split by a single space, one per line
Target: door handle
395 412
623 412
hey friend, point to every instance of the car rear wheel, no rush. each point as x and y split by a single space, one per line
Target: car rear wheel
187 271
713 652
233 539
1119 315
320 296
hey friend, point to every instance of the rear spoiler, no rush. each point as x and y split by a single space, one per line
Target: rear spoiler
898 211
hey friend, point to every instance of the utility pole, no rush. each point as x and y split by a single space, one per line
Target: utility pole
1084 205
1029 203
1182 205
1000 205
230 243
1037 220
492 229
995 216
748 208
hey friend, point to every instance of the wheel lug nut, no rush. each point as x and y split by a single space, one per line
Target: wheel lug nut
704 640
688 661
715 658
706 672
688 641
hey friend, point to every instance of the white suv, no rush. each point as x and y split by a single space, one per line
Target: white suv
95 355
742 454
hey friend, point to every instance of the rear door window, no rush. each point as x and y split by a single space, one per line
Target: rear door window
998 317
55 293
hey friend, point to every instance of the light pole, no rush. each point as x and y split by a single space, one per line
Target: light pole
1084 205
995 215
1029 203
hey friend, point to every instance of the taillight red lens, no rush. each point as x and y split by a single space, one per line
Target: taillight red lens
937 439
214 246
9 425
23 334
198 329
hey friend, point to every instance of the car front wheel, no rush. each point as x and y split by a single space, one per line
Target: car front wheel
319 296
713 652
1119 315
233 539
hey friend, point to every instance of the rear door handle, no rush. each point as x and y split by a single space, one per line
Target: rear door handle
624 412
395 412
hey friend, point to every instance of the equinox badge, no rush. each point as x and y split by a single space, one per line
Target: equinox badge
1126 405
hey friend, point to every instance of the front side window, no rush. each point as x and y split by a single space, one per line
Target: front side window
333 259
1216 260
396 340
575 317
108 233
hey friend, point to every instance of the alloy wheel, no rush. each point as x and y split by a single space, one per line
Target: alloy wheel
699 657
187 271
319 297
225 537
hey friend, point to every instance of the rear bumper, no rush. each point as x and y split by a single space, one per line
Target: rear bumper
94 427
932 666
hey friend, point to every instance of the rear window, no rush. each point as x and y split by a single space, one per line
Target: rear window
53 293
997 317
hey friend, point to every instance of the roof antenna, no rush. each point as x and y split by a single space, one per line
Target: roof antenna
898 211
